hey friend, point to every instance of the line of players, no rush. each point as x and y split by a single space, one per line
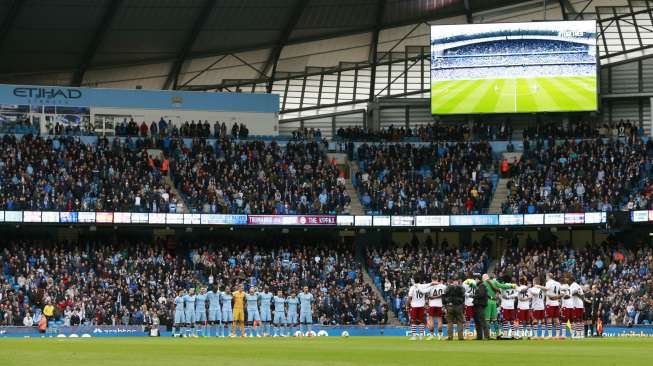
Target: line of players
528 310
221 313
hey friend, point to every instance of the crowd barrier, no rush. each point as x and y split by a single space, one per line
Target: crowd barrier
354 331
362 221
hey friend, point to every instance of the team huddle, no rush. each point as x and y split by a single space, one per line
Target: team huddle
527 310
226 312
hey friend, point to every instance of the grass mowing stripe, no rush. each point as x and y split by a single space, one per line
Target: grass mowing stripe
353 351
587 81
471 102
577 98
500 95
451 105
487 101
450 90
506 96
540 98
564 102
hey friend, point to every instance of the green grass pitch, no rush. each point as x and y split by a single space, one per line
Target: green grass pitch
355 351
545 94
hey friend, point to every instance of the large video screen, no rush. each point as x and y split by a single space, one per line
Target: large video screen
513 67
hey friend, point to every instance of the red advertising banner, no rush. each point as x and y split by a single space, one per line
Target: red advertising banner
290 220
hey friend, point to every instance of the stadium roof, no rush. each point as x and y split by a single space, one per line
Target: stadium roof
63 35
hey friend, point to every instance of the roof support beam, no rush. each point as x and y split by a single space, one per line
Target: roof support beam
94 44
374 59
8 22
468 11
582 11
173 76
563 10
275 53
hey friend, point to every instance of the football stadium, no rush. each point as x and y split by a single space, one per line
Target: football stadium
326 182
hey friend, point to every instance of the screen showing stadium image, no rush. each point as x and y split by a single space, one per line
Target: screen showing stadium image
513 67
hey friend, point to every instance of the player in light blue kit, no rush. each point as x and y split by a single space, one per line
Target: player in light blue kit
227 310
253 315
200 311
179 315
189 303
266 312
280 326
291 322
306 310
215 314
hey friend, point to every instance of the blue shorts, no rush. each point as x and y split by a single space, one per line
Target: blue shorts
306 318
266 315
292 318
200 316
179 317
227 315
190 317
253 315
215 315
279 318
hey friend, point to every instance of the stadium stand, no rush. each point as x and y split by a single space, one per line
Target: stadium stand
434 179
98 282
394 266
590 175
620 274
525 58
42 173
429 133
256 177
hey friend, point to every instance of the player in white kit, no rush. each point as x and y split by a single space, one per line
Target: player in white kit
578 301
552 305
537 308
435 293
567 303
416 304
508 297
524 310
469 285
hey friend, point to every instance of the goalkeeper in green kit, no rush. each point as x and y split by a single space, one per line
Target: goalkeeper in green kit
492 286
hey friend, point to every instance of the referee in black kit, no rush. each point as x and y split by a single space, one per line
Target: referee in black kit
454 298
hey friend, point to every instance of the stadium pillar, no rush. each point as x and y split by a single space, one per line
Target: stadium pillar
468 12
650 118
373 58
407 117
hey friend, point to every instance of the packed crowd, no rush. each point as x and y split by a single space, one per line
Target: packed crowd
580 130
258 178
431 132
449 62
394 266
428 132
622 276
68 175
304 133
512 72
585 176
435 179
100 283
193 129
517 47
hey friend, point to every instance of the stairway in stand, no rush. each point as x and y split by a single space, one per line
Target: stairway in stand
392 319
501 192
356 205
